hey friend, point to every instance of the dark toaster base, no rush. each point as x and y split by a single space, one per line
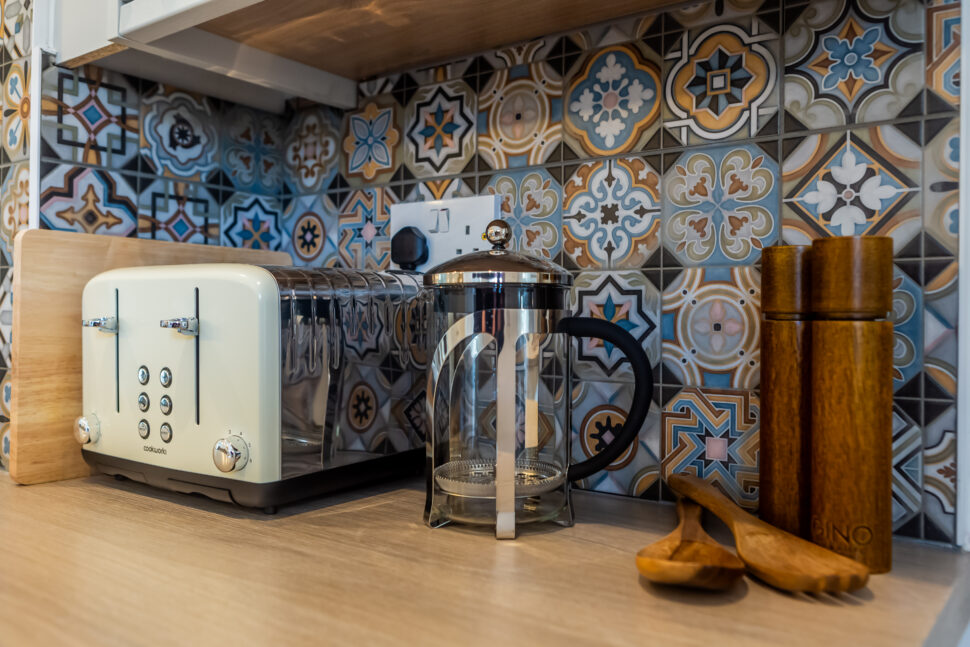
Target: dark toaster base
264 495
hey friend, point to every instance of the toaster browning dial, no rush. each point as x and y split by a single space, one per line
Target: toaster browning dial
230 454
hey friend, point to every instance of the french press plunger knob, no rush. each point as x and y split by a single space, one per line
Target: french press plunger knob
499 233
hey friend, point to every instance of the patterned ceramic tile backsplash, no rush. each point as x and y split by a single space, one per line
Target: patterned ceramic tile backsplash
655 157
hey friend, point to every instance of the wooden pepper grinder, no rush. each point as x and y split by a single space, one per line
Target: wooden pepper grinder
852 353
785 453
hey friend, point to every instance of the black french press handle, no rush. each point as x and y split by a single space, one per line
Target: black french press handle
642 388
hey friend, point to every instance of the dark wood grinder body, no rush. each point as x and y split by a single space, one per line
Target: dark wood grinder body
851 369
785 452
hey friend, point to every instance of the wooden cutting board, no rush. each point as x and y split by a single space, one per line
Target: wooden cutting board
51 269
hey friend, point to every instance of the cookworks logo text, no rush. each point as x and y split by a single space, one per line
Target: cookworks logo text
154 450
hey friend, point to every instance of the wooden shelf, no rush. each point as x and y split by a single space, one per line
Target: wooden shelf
358 39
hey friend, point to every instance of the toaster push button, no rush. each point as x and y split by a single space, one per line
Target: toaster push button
143 429
165 432
165 377
143 401
143 375
165 404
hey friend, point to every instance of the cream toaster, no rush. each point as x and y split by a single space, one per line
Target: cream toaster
251 384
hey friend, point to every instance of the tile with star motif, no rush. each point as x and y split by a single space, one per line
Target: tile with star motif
628 299
713 434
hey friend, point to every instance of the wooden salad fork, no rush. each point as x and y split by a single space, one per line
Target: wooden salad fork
772 555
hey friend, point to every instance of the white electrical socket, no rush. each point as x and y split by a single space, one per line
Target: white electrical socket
453 227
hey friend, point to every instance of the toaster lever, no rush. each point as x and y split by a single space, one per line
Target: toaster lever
107 325
184 325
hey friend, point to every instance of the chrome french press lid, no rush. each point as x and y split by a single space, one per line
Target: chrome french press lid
497 265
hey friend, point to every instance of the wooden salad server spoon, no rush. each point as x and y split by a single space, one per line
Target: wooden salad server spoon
773 555
689 556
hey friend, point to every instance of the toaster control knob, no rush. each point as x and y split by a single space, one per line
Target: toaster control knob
87 429
143 375
143 402
230 454
165 404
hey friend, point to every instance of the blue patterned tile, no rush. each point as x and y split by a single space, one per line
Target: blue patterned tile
16 111
943 50
90 115
364 229
612 103
311 150
253 222
180 212
439 129
941 182
611 214
721 205
630 300
14 200
940 473
711 327
520 116
907 317
531 201
599 410
860 182
372 142
251 150
714 434
440 190
179 134
907 488
89 200
17 16
312 222
853 61
721 82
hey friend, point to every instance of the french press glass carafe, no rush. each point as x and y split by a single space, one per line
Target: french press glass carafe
499 389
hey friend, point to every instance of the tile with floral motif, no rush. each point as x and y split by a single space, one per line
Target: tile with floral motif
941 183
711 327
531 202
853 61
16 111
311 152
611 214
371 142
251 146
14 201
611 102
721 205
859 182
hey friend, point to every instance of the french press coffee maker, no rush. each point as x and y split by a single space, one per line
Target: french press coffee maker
499 389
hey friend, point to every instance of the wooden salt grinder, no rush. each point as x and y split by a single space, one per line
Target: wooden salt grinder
785 458
851 442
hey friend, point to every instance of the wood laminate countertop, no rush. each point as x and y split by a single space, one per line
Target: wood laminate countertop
98 562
